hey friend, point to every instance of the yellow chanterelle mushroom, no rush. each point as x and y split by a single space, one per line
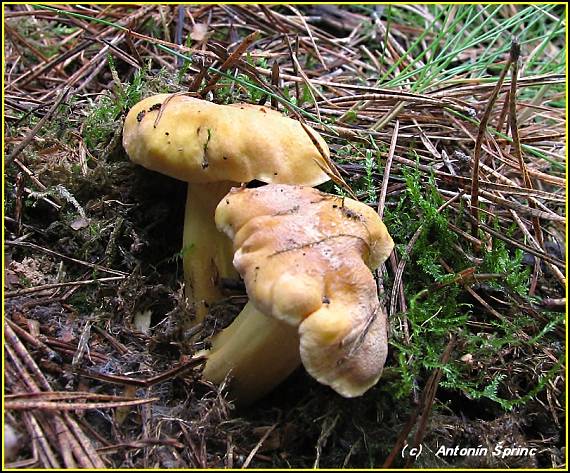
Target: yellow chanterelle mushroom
306 259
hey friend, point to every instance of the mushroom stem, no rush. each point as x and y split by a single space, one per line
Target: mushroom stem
207 253
257 351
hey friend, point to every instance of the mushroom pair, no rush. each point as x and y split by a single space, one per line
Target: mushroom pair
305 256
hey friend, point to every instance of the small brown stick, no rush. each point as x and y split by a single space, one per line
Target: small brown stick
295 70
558 305
41 69
45 451
21 353
258 446
98 267
554 180
66 443
387 96
372 58
18 211
198 78
530 210
24 464
511 188
145 383
463 234
327 428
87 454
275 83
92 432
122 349
163 106
515 54
490 309
376 93
134 50
118 51
97 62
33 177
31 290
229 452
478 146
141 444
466 285
71 349
328 166
396 50
199 458
393 113
311 89
48 396
400 269
93 358
31 339
53 203
18 37
273 22
73 406
504 111
16 370
557 273
232 58
402 299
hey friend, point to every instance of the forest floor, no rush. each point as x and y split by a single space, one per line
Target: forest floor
426 110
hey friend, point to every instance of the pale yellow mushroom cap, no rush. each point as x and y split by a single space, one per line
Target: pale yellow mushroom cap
199 142
306 259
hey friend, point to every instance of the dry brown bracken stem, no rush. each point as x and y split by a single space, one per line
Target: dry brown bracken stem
477 152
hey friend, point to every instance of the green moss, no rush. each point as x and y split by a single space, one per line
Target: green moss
445 309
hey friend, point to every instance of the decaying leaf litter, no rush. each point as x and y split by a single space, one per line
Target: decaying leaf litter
97 372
